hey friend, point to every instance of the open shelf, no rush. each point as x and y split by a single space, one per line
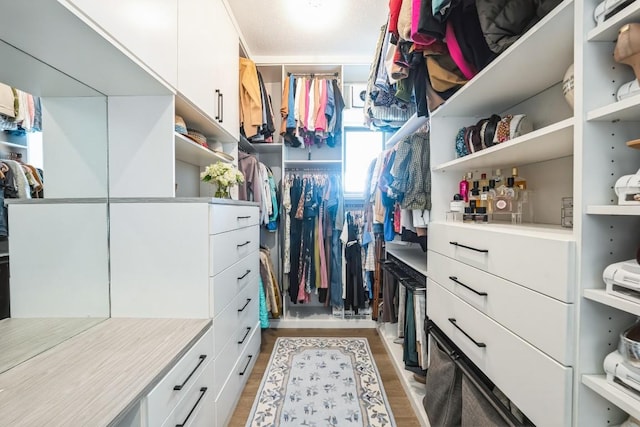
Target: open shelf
627 110
608 30
623 400
507 81
189 152
267 147
601 296
548 143
613 210
196 119
409 253
12 145
413 124
307 164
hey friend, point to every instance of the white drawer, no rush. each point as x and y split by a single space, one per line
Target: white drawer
537 384
526 313
247 303
226 285
228 217
231 354
164 397
228 397
197 407
226 249
540 261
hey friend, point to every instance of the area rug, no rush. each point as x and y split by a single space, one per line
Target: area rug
318 382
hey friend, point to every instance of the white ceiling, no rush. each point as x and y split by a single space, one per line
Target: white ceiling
311 31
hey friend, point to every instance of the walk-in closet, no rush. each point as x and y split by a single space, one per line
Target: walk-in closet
250 213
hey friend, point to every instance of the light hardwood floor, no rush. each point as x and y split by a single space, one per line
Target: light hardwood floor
400 405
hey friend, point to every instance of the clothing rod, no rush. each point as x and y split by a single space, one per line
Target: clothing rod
312 74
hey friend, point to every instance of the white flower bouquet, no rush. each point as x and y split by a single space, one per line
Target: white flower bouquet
224 175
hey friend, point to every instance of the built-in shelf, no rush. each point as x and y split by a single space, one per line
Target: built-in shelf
507 81
12 145
312 164
415 391
613 210
409 253
627 110
196 119
608 30
551 142
623 400
268 148
245 145
413 124
189 152
601 296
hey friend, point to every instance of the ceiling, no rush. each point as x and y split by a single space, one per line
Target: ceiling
311 31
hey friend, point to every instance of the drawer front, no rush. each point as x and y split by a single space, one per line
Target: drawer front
231 353
224 218
526 313
540 263
242 312
226 285
197 406
164 398
230 393
537 384
226 249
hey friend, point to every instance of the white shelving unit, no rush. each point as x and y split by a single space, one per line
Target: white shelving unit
613 210
189 152
551 142
601 296
622 400
608 30
626 110
309 164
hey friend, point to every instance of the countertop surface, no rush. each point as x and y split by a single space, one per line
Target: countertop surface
94 377
210 200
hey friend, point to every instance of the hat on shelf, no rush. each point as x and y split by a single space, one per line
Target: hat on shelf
197 137
180 126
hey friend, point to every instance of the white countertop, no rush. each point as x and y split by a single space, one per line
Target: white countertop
96 376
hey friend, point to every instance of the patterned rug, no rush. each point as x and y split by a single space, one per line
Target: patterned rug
321 382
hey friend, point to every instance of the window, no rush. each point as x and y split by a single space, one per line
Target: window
361 146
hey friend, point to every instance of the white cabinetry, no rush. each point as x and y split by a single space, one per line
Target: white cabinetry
148 29
208 62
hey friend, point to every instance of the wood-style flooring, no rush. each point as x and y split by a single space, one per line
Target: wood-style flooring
400 405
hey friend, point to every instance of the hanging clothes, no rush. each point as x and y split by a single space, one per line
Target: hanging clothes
354 285
250 99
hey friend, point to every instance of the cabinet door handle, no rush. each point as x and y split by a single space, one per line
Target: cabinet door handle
203 390
243 244
245 305
179 387
455 279
479 344
218 100
246 366
244 275
221 107
486 251
246 334
244 217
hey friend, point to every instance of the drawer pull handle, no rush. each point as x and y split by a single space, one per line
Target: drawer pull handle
218 95
244 217
246 334
455 279
485 251
479 344
244 275
179 387
246 366
243 244
203 390
245 305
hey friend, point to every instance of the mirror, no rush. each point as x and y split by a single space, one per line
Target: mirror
57 244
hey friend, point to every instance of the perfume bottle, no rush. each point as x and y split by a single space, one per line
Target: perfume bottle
504 200
483 180
474 195
463 186
498 178
484 197
492 195
519 182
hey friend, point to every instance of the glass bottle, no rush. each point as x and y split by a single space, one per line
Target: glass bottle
484 197
483 180
519 182
492 195
498 178
463 186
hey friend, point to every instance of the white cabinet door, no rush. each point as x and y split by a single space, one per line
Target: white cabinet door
146 28
227 75
197 57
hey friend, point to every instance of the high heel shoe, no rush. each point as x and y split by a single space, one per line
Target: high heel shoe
627 50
